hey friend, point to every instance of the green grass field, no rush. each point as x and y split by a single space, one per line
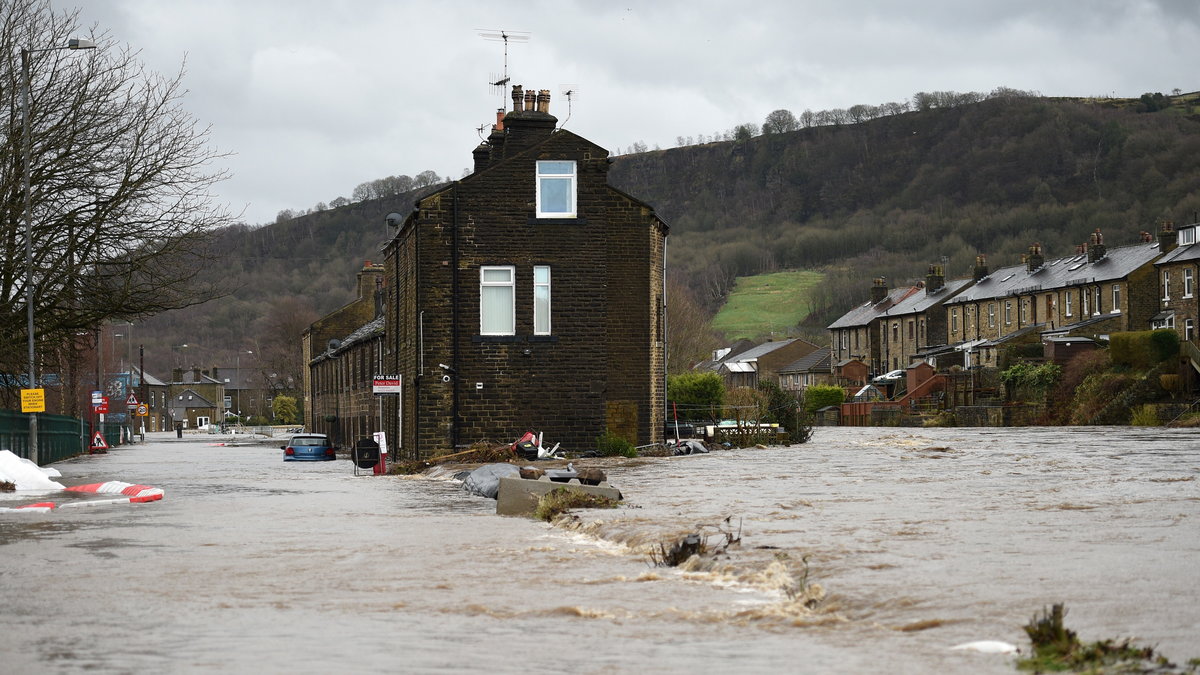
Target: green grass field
766 304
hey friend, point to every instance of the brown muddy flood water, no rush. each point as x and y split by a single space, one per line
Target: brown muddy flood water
916 540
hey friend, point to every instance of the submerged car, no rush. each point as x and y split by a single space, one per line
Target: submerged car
308 447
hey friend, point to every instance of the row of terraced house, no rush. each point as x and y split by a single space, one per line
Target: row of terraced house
1061 303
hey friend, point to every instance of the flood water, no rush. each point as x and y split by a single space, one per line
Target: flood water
863 551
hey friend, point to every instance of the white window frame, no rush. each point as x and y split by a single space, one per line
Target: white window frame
1187 236
511 285
1084 301
1166 285
1096 296
549 175
953 320
1189 282
1068 306
541 315
1008 312
991 315
1189 329
1116 298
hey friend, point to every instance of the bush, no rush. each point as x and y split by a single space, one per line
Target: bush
609 444
699 394
1144 416
1029 381
820 395
1143 349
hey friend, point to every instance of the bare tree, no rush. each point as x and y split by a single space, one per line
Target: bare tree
120 178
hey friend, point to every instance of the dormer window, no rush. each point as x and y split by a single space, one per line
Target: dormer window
556 189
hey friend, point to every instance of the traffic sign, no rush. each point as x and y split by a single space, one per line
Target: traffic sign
143 410
132 401
98 442
101 406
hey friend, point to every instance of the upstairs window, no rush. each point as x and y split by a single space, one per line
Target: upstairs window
1188 283
1008 312
496 300
1067 303
1116 298
541 300
1166 285
555 189
991 315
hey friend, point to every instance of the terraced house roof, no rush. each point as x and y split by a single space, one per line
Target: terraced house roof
1057 273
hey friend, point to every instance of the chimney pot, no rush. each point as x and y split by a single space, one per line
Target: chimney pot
543 101
518 98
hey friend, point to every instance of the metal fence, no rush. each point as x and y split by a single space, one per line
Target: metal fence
59 436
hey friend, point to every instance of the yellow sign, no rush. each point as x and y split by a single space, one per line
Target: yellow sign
143 410
33 400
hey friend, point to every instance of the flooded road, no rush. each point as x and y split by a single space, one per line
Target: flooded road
863 551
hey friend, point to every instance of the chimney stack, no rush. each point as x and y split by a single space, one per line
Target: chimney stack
935 279
1034 260
528 123
981 268
1167 240
1096 249
879 290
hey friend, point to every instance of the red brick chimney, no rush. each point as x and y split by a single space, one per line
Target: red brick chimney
879 290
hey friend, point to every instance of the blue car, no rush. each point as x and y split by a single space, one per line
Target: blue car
309 448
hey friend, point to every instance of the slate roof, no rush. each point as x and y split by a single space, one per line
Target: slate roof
191 400
867 312
922 301
1057 273
817 360
765 348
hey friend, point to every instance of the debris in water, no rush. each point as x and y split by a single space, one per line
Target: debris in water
1055 647
561 500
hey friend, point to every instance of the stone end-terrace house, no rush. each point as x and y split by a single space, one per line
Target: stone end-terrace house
343 401
889 330
1095 292
1177 273
528 295
196 398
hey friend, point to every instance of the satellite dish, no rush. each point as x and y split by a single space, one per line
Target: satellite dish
394 219
334 343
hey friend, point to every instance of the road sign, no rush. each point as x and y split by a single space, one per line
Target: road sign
98 442
33 400
143 410
132 401
102 406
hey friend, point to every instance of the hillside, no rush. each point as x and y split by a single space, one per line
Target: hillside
883 197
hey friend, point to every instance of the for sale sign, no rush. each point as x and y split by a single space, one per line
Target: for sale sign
386 384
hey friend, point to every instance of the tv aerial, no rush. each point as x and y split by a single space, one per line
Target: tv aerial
569 92
499 81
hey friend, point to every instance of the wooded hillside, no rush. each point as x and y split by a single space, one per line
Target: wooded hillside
895 194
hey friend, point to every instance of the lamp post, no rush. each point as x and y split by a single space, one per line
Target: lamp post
238 376
27 151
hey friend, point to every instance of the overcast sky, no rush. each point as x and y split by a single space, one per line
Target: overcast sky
315 97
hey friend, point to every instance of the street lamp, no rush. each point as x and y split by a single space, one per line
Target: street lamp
27 151
238 376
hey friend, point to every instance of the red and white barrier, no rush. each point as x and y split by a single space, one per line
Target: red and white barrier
130 494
